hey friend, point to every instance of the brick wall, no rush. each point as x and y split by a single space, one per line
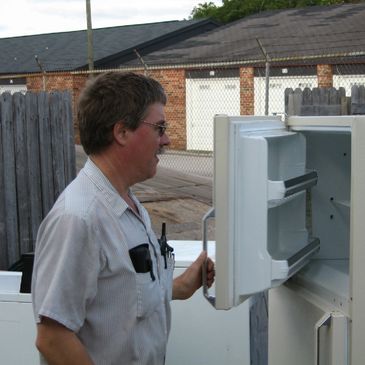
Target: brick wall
247 96
60 82
50 82
77 86
325 76
35 83
173 82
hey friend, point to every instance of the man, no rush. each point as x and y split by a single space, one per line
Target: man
101 283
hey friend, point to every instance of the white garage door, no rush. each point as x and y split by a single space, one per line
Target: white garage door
277 91
13 88
204 99
348 81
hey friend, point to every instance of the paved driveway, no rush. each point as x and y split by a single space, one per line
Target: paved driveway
173 196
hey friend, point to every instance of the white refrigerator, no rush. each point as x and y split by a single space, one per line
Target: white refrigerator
289 211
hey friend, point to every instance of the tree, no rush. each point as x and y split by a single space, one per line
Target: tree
235 9
205 10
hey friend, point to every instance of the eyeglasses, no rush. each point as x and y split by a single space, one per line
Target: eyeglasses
161 127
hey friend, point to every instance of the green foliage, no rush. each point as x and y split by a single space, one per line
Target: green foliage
235 9
205 10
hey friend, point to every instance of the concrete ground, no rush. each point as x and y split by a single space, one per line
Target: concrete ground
177 198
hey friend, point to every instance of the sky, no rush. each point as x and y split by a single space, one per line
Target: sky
26 17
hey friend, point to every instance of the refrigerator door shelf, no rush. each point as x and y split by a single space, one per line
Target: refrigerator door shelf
283 269
278 190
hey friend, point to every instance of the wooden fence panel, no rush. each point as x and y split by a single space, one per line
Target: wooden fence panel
21 168
57 141
33 151
9 247
358 99
47 186
316 101
37 156
3 248
69 150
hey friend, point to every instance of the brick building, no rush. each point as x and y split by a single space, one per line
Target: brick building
208 69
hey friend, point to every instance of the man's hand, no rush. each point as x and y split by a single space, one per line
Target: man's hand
185 285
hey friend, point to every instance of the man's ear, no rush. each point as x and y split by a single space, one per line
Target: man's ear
120 133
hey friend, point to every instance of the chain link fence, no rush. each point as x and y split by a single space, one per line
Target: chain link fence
198 92
210 95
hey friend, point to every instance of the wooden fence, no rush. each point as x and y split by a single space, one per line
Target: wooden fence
37 161
325 101
358 100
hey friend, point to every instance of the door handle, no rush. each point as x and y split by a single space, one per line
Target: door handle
324 321
339 352
208 215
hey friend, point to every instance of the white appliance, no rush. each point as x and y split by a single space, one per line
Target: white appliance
17 330
289 203
199 334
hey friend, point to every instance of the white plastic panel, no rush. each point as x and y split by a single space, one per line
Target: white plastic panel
17 330
329 153
357 234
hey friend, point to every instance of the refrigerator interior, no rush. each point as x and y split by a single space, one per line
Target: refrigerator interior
310 315
328 216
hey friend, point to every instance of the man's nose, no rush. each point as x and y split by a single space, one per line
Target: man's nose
165 140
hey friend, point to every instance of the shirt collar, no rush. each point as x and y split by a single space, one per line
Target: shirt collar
105 187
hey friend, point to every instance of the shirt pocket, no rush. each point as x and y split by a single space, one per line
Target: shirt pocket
148 295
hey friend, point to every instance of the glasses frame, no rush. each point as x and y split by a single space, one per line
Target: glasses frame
160 127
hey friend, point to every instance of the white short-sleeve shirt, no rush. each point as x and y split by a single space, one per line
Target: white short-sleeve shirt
84 277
